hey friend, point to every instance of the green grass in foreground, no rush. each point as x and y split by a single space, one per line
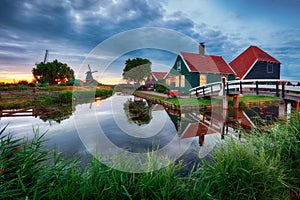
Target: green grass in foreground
266 166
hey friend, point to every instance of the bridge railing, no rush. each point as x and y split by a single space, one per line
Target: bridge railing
265 86
206 90
270 87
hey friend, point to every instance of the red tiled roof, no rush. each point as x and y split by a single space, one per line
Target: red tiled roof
245 60
159 75
206 63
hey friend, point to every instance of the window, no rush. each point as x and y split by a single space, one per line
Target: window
269 67
176 81
182 81
179 65
202 79
168 82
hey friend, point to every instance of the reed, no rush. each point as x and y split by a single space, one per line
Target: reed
265 166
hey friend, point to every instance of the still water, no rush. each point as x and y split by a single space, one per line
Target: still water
126 124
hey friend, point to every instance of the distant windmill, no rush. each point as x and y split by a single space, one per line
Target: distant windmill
89 77
45 57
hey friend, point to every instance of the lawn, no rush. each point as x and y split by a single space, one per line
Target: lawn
251 98
188 101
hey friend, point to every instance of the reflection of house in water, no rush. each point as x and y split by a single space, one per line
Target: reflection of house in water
193 124
198 124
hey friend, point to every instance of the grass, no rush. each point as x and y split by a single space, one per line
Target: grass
63 95
8 105
141 94
266 166
250 98
238 172
188 101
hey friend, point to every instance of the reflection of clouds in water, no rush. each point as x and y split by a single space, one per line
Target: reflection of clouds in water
100 132
23 126
210 141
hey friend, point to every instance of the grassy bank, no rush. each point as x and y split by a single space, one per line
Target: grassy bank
266 166
188 101
178 101
62 94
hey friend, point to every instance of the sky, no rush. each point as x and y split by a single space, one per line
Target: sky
77 32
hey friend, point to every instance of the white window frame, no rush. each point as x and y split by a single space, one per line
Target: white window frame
179 65
272 67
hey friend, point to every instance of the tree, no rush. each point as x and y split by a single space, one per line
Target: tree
52 73
136 70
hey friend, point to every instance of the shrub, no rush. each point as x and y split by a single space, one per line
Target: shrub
161 89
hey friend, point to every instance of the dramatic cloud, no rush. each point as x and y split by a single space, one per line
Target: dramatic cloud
70 29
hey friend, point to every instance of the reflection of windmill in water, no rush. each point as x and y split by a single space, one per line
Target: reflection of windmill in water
89 80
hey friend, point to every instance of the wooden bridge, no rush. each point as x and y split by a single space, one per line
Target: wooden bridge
287 90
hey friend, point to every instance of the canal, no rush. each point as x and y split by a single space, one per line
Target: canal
126 125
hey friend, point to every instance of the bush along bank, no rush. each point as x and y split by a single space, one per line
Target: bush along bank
265 166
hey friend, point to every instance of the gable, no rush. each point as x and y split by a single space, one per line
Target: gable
180 66
159 75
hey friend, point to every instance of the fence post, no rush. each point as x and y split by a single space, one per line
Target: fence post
241 87
277 89
282 94
203 90
223 86
227 91
256 87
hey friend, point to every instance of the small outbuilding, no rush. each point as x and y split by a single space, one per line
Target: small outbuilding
156 78
255 63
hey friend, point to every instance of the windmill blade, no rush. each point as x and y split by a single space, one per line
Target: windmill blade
94 71
89 67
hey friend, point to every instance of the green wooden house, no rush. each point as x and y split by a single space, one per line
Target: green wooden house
194 69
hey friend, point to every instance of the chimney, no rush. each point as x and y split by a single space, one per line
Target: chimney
202 49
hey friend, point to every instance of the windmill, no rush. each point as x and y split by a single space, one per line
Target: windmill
89 80
45 57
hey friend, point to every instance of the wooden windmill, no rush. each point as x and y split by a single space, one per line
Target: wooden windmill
89 76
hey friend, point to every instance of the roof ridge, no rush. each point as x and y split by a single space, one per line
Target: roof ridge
253 50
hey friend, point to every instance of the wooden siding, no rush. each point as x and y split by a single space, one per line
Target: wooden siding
259 71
